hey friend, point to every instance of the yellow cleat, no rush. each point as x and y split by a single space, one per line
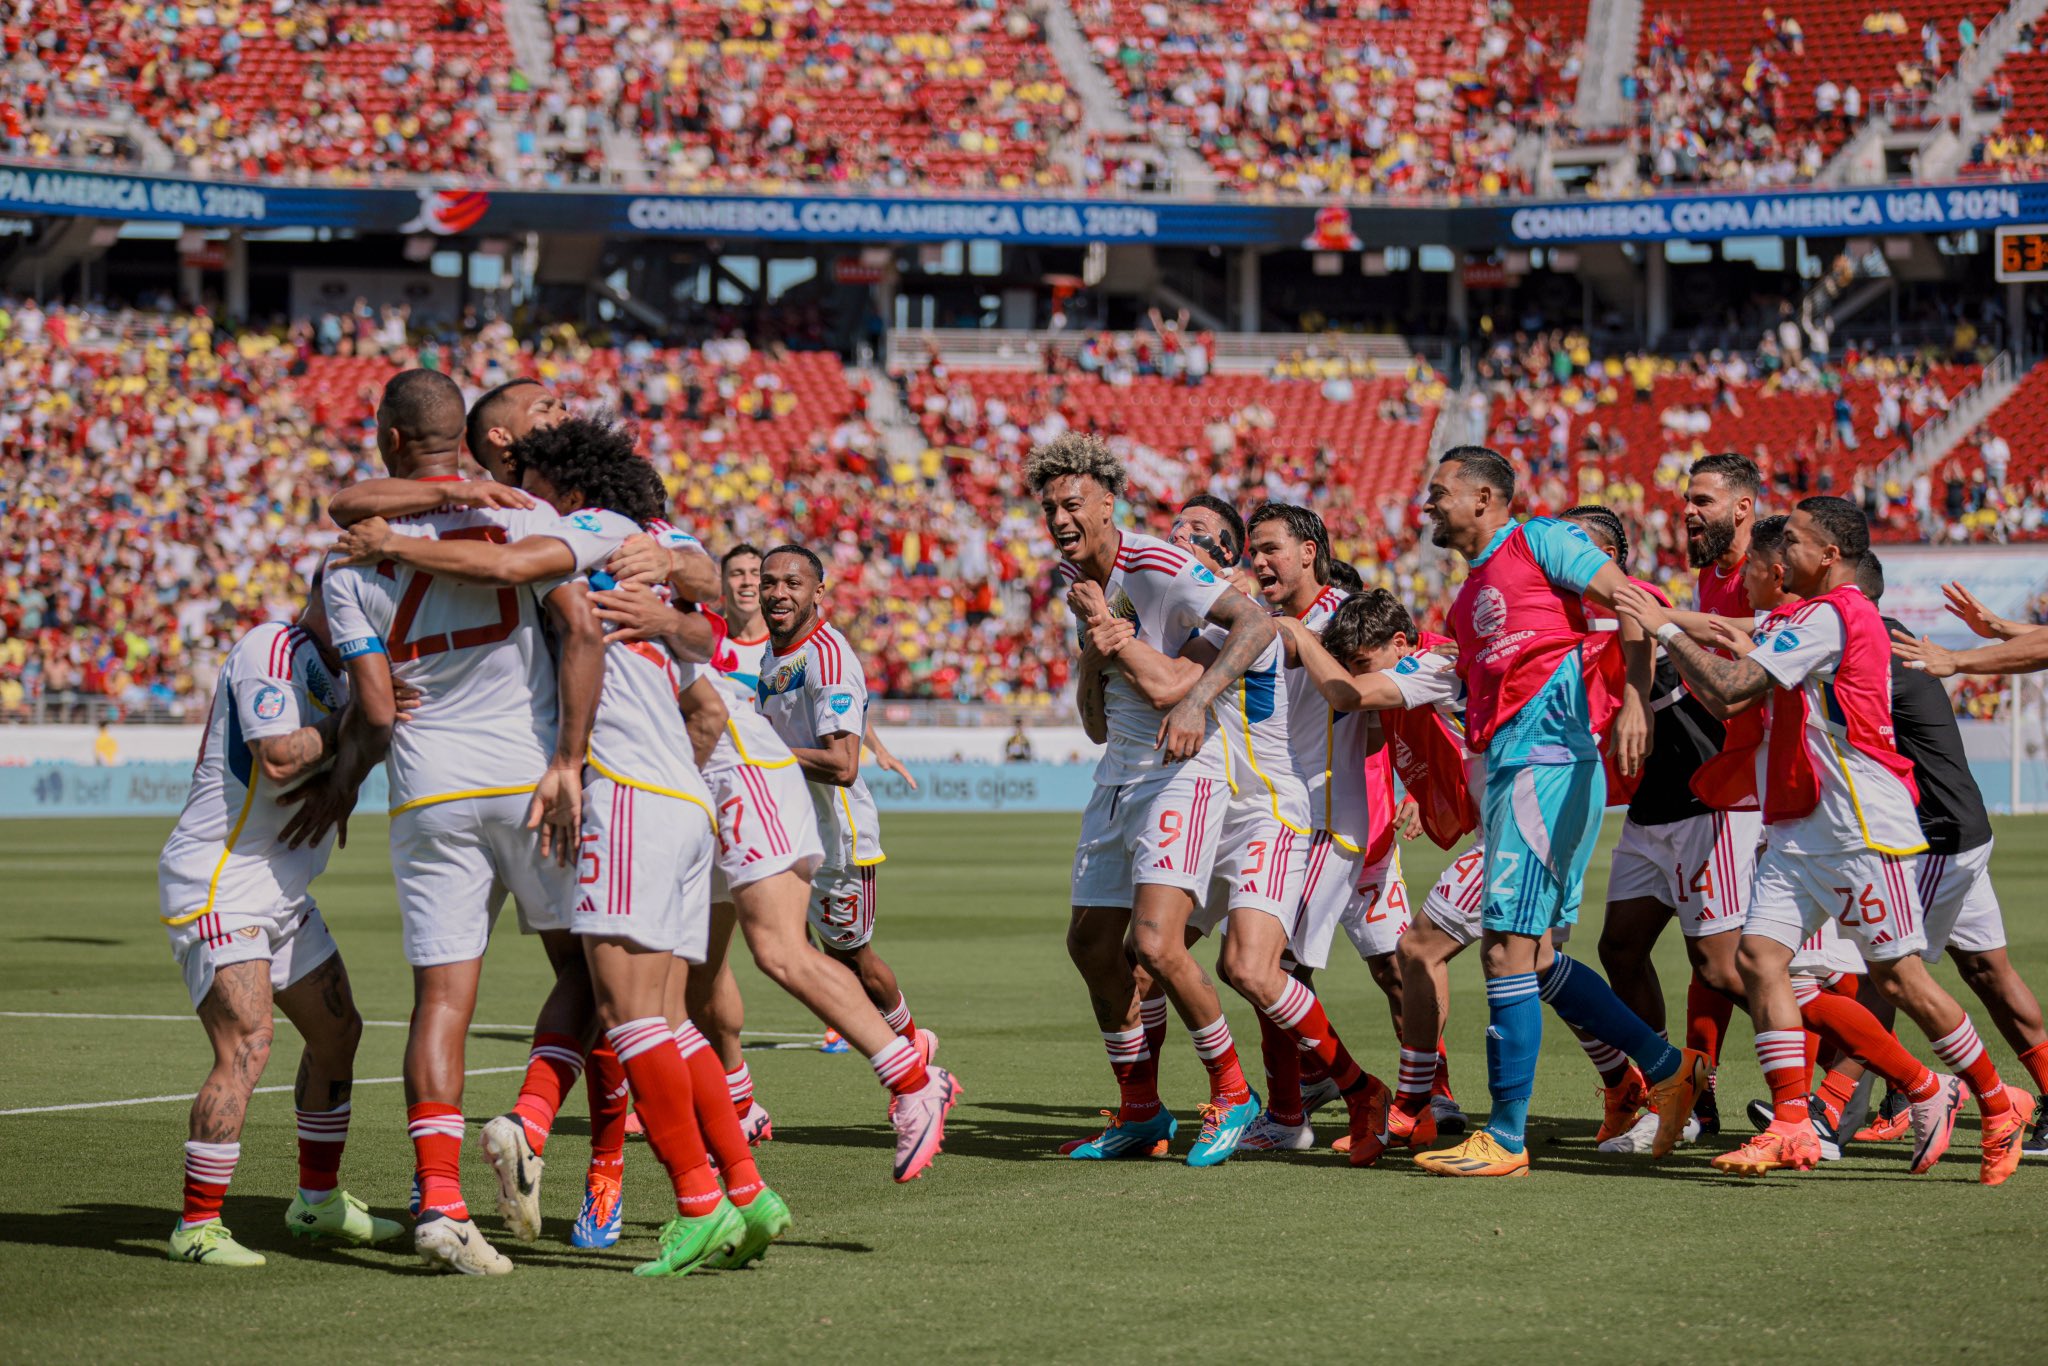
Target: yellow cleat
1673 1097
1479 1155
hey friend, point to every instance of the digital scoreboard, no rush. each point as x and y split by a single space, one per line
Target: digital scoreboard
2022 253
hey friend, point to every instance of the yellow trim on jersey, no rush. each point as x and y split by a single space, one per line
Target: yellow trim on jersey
1842 762
846 804
213 883
418 802
1251 757
1228 764
1330 787
658 791
732 729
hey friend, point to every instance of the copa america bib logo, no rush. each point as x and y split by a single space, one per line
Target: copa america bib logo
1490 611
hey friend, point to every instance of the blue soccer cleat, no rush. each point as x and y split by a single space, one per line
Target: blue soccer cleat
1134 1138
598 1224
834 1042
1223 1128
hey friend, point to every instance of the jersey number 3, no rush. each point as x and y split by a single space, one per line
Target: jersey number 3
404 646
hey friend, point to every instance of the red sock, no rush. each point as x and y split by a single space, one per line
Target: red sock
1781 1053
1812 1054
551 1070
1137 1074
720 1126
1282 1058
899 1018
1442 1085
1301 1014
1219 1054
604 1086
322 1135
1152 1019
2035 1060
1707 1012
739 1086
1835 1092
1312 1070
208 1169
1961 1049
662 1091
1417 1075
436 1131
1848 1024
900 1067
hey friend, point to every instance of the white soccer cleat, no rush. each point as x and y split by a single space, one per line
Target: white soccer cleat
1638 1138
755 1125
449 1244
1268 1135
927 1045
1934 1121
517 1167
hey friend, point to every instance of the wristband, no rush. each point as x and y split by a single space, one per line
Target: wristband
1669 632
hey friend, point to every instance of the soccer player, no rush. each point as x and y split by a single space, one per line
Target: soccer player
1262 850
1531 720
246 934
1838 802
1148 839
486 762
1354 864
1677 856
768 849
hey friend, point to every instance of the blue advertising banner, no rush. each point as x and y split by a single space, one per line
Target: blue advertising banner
1791 213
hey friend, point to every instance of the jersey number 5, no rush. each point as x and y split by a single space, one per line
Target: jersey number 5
402 646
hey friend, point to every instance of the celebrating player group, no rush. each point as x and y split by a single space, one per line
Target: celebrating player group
1795 787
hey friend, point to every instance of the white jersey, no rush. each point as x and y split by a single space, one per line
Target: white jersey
1863 804
485 723
225 843
814 689
742 662
1251 714
1429 679
1329 746
1166 596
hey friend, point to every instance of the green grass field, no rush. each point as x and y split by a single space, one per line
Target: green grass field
1004 1252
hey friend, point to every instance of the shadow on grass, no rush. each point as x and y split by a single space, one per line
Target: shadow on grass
143 1231
89 941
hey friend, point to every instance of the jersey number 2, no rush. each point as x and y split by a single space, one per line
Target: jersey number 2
404 647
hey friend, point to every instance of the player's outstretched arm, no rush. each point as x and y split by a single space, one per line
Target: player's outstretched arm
2023 654
885 759
410 497
1250 631
530 559
1979 618
1725 685
704 717
1342 689
557 809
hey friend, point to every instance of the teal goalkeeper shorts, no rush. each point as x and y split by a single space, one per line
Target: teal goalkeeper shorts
1541 823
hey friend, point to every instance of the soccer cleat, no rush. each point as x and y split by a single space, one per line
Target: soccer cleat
920 1120
1479 1155
1673 1097
1127 1138
1450 1118
450 1244
687 1244
597 1224
927 1045
210 1244
340 1218
1933 1122
1268 1135
1368 1121
517 1166
756 1125
767 1219
1893 1120
1639 1137
412 1204
1318 1093
1223 1129
1706 1112
2002 1137
1402 1126
833 1042
1824 1131
634 1128
1620 1104
1760 1114
2037 1141
1776 1148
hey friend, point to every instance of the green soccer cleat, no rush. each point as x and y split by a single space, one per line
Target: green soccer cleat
767 1219
340 1218
687 1244
210 1244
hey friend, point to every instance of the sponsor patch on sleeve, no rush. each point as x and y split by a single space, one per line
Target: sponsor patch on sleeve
840 702
367 645
269 703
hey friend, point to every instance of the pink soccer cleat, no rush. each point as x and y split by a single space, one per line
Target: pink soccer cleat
920 1120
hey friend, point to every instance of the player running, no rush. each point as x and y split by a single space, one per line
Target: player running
1531 720
1838 803
1148 840
235 896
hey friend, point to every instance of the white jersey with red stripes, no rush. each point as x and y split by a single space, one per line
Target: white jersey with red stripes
224 849
1329 746
485 722
812 690
1252 717
1166 595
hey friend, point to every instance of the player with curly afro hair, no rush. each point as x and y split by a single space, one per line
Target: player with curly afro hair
588 462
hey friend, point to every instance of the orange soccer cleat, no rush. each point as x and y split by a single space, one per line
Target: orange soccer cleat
1776 1148
1622 1103
2002 1134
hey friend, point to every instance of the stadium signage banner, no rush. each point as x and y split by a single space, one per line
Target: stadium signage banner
1819 213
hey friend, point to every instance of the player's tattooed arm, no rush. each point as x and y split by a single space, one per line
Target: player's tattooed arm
530 559
557 807
1161 680
1342 689
2023 654
284 759
410 497
1725 685
704 717
1090 699
1251 630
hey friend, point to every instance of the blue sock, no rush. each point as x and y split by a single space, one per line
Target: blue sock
1582 998
1514 1036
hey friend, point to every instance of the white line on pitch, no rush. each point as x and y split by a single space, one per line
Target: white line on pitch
260 1091
374 1024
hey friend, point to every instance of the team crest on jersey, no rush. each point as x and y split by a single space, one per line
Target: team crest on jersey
1489 611
790 675
1785 641
1122 606
269 703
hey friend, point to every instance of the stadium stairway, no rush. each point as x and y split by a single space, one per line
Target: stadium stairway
1611 29
1979 404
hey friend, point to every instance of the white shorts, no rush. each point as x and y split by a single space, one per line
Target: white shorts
1161 830
1378 914
1961 907
1457 903
1701 867
294 939
1260 865
843 906
454 862
766 826
1825 953
1870 896
644 871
